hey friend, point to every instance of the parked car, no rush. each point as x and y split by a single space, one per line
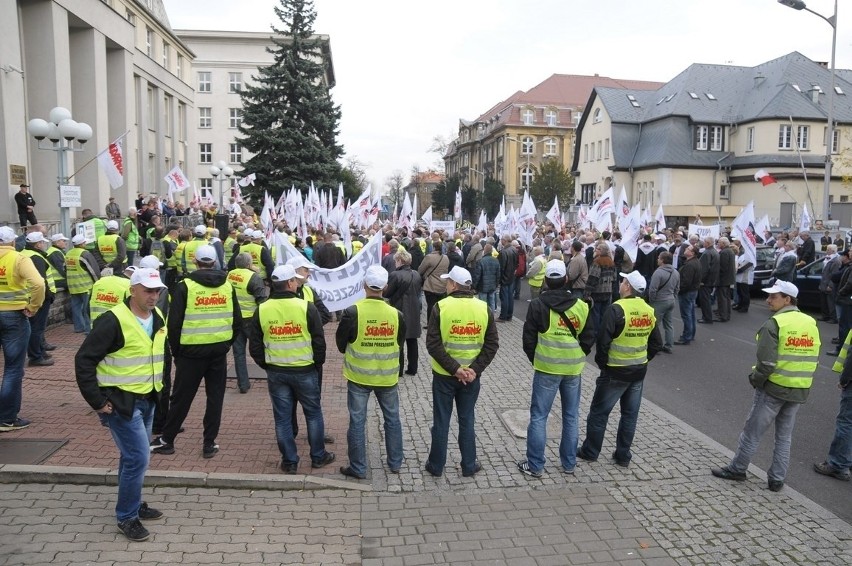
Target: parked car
807 280
764 267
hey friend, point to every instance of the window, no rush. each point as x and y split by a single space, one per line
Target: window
587 192
167 113
181 125
838 90
585 153
235 82
166 54
693 96
204 81
550 146
785 137
701 133
207 189
526 177
550 117
500 147
236 117
527 116
633 102
592 152
709 96
750 139
716 138
205 153
130 17
205 117
835 143
152 110
596 117
600 150
179 67
527 145
802 135
236 153
606 148
149 42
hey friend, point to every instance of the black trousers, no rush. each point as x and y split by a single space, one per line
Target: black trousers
705 301
431 299
723 302
24 216
188 375
411 345
743 296
161 411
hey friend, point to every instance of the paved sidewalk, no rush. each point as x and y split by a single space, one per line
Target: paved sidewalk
664 509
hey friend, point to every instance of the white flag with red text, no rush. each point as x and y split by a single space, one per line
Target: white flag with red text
111 161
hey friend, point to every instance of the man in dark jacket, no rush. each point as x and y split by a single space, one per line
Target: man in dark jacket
709 280
727 278
807 251
486 277
508 260
690 283
627 340
557 353
204 317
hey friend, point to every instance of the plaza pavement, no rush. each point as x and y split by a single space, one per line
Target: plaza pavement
236 508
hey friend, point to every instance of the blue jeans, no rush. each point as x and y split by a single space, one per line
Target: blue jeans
490 299
132 437
38 324
840 453
765 410
608 392
599 307
663 313
14 336
131 256
239 349
388 399
445 390
544 390
284 390
80 312
686 302
507 300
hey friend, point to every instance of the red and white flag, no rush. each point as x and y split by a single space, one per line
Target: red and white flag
177 180
111 161
764 177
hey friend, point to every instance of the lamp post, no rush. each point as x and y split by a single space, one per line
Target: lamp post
829 135
222 173
61 131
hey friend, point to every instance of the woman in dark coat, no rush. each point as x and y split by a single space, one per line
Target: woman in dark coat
403 293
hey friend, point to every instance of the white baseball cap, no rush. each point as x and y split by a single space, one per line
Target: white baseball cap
58 237
146 277
7 235
376 277
205 254
112 225
460 275
78 239
298 261
285 273
200 230
636 280
150 262
35 237
783 287
555 268
256 234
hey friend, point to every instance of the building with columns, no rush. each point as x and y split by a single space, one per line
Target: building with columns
117 66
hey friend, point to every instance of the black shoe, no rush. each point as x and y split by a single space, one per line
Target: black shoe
682 343
289 468
17 424
411 372
41 362
702 321
827 469
775 485
328 439
835 340
149 513
727 474
324 461
49 347
667 350
432 471
245 390
349 472
209 450
524 468
622 463
133 530
582 456
477 467
160 446
833 353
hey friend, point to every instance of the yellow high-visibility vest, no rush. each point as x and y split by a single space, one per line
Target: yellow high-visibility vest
12 294
630 348
557 352
138 366
209 316
373 358
463 325
286 340
79 280
240 278
107 292
798 350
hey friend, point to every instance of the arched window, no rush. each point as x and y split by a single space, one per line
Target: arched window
526 177
596 117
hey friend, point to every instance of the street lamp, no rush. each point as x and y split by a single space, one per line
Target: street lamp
829 136
480 173
60 127
222 173
529 153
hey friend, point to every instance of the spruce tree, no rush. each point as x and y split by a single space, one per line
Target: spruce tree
290 123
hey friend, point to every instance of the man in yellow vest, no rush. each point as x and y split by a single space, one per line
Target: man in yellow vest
203 317
838 465
462 340
82 271
56 256
22 290
119 370
286 339
35 249
187 260
535 273
112 248
369 336
110 290
250 292
626 341
557 336
787 357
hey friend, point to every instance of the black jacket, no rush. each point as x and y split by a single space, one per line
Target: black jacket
347 331
709 267
255 334
690 275
612 326
177 310
538 320
435 343
106 338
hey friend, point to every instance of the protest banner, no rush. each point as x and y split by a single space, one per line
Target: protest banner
704 231
448 226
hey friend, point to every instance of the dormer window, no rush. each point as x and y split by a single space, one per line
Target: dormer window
527 116
551 117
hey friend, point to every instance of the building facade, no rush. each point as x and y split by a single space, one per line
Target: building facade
117 66
695 144
509 141
421 185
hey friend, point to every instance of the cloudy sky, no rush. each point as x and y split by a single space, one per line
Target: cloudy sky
407 71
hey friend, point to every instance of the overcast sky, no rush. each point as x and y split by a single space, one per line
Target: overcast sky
407 71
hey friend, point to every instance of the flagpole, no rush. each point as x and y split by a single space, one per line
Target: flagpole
119 138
